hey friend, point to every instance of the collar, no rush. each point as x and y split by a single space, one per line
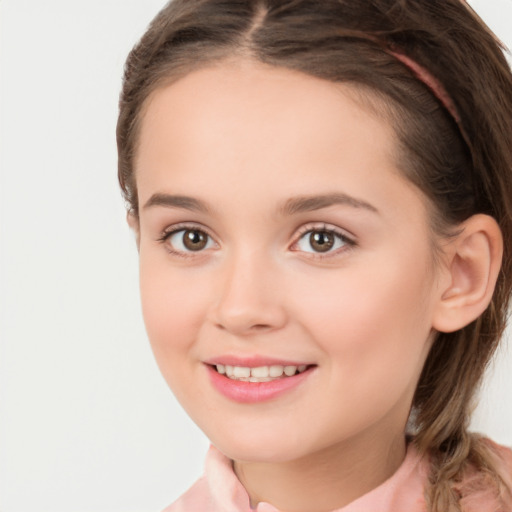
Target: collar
402 492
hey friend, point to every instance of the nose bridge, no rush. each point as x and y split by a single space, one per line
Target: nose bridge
247 296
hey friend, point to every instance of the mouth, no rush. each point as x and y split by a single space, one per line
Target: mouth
259 373
255 381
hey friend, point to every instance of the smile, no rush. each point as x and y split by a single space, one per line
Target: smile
252 384
260 373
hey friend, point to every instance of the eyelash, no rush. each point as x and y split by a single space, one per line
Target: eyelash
349 243
169 232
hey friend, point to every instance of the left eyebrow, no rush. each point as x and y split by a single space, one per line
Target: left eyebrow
177 201
317 202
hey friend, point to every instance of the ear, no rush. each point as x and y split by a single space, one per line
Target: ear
472 264
133 222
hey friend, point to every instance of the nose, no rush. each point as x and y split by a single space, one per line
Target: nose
248 300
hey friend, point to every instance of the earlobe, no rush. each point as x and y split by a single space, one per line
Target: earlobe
133 222
473 261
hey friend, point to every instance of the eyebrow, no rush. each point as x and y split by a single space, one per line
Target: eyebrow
177 201
317 202
291 206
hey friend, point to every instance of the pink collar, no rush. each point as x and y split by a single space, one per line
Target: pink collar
403 492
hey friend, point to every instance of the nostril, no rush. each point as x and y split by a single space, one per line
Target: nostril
260 327
255 327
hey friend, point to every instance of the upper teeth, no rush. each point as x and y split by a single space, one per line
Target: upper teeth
259 373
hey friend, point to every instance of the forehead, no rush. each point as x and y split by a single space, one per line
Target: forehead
244 124
263 100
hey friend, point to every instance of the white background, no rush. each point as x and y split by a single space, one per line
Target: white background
86 422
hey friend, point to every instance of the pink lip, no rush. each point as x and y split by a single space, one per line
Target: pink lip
253 392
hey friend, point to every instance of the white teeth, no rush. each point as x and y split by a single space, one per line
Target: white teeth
259 373
252 379
276 371
241 372
290 370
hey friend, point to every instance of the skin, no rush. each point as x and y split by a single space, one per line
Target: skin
245 140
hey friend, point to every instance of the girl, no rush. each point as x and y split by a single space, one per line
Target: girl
321 193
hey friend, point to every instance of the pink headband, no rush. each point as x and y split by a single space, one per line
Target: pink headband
431 82
422 74
435 86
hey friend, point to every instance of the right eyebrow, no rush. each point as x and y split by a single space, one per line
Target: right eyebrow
177 201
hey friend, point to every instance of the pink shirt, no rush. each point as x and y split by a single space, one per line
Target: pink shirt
219 490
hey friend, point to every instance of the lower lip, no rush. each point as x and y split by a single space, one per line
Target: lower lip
253 392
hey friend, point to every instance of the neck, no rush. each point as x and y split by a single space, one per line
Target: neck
325 480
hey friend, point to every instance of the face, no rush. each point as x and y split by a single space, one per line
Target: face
280 244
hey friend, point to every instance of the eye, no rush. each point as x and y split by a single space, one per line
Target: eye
189 240
322 241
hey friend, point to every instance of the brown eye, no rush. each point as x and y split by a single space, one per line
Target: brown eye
189 240
194 240
321 241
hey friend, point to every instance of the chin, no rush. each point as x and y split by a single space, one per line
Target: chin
258 445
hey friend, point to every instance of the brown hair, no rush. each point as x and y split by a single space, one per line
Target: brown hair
463 168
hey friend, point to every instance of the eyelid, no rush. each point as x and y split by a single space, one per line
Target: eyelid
347 238
184 226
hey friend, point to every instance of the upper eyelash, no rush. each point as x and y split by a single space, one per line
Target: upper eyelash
349 240
167 232
324 227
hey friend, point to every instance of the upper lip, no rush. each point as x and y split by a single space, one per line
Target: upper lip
253 361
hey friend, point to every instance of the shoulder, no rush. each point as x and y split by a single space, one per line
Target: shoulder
488 489
198 497
503 454
501 459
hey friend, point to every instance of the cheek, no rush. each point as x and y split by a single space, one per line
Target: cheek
371 322
374 333
171 306
173 314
